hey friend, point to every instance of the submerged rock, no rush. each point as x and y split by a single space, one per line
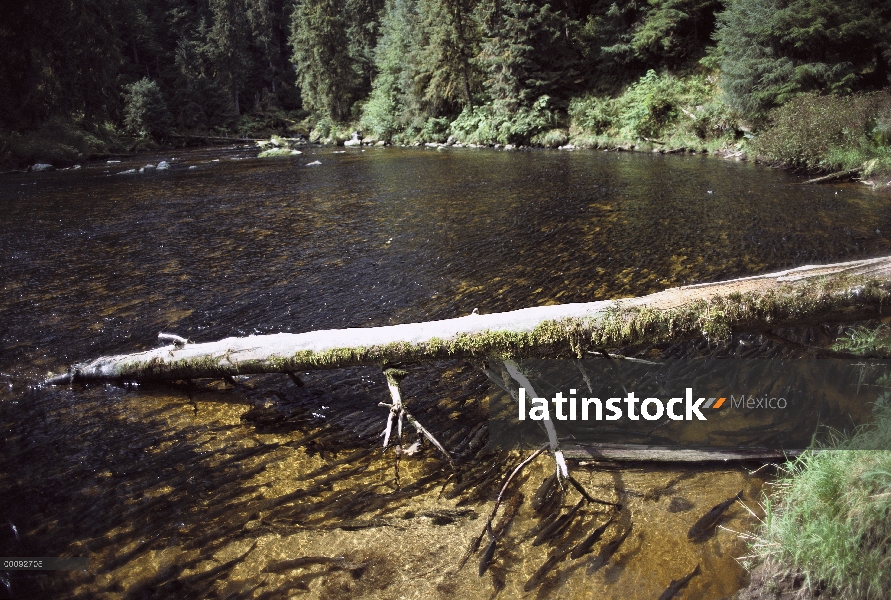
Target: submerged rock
277 152
313 163
678 504
163 165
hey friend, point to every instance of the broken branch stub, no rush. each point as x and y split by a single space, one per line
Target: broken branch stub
848 291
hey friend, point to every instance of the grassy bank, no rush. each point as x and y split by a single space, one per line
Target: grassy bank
660 112
59 142
64 141
657 113
830 518
812 133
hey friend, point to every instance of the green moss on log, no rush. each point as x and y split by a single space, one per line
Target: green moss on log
716 318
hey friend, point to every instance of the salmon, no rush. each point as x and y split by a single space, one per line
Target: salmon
707 522
677 584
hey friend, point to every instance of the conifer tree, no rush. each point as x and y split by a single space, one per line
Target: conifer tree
772 50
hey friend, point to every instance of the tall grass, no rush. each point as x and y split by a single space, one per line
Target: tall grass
831 515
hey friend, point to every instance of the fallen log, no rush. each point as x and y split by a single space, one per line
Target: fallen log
834 176
847 291
215 138
617 453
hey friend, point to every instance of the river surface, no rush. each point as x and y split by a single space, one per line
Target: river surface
208 490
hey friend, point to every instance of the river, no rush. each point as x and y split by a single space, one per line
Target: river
203 490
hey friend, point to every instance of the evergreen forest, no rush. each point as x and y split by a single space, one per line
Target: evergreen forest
82 77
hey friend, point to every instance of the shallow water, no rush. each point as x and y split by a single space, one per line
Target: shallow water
179 491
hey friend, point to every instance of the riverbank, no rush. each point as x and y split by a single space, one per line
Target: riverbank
664 113
660 113
825 527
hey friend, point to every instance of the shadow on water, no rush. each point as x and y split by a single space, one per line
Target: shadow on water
266 489
176 487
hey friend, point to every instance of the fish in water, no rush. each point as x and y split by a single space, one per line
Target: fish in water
677 584
550 563
584 546
607 552
545 493
559 524
706 522
489 554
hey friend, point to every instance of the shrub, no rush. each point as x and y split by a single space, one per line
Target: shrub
145 112
552 138
57 141
492 123
649 105
656 106
826 131
593 115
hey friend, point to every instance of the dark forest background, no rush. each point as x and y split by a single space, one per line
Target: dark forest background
78 73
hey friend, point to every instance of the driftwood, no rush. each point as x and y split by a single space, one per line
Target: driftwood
610 453
806 295
214 138
834 176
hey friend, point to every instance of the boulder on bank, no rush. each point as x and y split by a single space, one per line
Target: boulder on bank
280 142
353 141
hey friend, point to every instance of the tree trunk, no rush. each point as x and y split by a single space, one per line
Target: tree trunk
849 291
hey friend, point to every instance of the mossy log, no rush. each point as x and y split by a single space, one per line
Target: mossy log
832 177
848 291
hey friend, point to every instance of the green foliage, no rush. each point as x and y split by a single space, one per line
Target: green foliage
552 138
145 112
622 39
445 76
392 106
58 59
424 67
831 516
819 132
228 41
649 104
57 141
773 50
491 123
329 131
525 53
326 72
655 106
872 341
